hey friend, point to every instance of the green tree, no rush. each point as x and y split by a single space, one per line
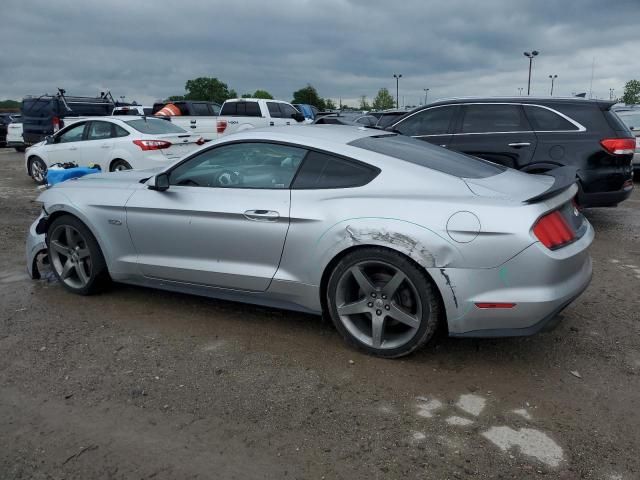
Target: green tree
175 98
10 104
329 104
209 89
631 94
246 95
383 100
262 94
310 96
364 105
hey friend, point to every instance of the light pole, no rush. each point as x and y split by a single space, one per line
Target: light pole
530 55
397 77
611 90
426 95
552 77
520 91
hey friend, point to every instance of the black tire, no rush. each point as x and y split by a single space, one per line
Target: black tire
426 303
98 276
38 170
118 164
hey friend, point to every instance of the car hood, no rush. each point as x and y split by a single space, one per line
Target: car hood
510 184
109 179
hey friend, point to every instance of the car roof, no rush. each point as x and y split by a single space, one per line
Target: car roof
254 100
518 99
342 134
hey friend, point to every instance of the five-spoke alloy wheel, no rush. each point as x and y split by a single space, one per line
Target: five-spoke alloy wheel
75 256
38 170
382 302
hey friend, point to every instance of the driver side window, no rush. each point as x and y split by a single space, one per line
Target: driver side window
74 134
241 165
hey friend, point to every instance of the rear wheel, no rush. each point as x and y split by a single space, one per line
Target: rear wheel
119 165
382 303
76 257
38 170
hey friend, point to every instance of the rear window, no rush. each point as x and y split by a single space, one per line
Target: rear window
424 154
241 109
630 119
493 118
154 126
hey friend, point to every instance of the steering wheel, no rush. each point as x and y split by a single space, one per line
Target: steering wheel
228 178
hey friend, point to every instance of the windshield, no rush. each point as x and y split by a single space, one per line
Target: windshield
430 156
631 120
154 126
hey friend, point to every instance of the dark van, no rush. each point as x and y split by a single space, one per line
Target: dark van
44 115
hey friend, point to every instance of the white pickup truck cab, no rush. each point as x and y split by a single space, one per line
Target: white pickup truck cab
241 114
196 117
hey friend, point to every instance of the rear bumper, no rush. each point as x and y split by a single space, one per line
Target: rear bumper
14 144
604 199
540 282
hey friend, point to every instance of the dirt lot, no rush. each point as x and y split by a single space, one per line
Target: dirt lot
137 383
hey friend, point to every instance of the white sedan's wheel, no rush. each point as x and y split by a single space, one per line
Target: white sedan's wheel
119 165
38 170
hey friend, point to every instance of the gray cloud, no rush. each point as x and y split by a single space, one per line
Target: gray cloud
147 49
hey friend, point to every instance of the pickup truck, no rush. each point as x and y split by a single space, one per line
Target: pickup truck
241 114
194 116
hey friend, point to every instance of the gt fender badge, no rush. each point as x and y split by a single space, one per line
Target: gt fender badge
113 221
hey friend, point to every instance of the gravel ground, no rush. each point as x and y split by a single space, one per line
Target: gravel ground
136 383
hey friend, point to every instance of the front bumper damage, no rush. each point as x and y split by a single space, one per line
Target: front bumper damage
36 245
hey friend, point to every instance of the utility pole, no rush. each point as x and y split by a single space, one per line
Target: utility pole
552 77
530 56
397 76
611 90
520 91
426 95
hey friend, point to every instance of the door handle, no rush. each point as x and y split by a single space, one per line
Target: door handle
73 148
262 215
443 146
105 146
193 121
288 123
193 126
271 124
520 144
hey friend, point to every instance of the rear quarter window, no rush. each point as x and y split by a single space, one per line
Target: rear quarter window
544 120
426 155
241 109
321 170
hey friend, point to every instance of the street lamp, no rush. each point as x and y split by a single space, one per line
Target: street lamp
552 77
530 56
520 91
426 95
397 77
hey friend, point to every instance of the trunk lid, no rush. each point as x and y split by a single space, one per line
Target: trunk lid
510 184
181 144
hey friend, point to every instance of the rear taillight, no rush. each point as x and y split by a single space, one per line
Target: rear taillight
553 230
152 144
619 146
221 126
201 141
56 124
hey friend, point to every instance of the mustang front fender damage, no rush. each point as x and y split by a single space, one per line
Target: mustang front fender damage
36 245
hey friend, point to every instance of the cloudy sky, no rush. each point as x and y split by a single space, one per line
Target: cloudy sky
147 49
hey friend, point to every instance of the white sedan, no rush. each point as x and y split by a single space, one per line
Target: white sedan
112 144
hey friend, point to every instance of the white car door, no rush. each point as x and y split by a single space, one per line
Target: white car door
278 113
97 147
66 146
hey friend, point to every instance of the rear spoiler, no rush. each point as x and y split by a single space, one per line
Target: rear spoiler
563 178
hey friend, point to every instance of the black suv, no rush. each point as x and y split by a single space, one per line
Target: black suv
44 115
536 135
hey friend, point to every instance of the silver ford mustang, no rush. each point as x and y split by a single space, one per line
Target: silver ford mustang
388 235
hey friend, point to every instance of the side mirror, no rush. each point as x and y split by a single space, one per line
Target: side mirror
48 139
298 117
160 182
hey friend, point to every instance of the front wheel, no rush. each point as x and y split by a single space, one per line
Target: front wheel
76 257
382 303
38 170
